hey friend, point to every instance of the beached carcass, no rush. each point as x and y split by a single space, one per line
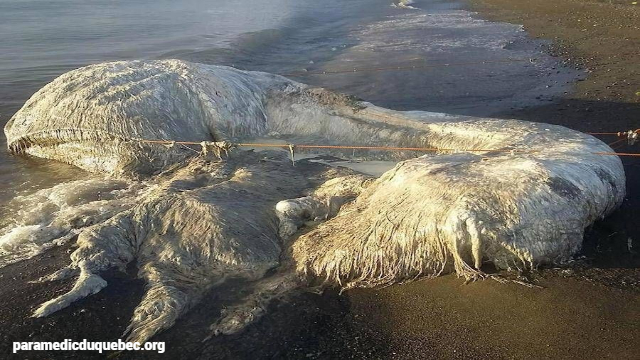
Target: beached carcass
513 193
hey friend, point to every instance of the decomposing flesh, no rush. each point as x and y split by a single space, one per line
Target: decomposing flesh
523 198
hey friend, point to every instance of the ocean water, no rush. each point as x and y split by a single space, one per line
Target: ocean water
449 59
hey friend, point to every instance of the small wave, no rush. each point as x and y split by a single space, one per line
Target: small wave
50 217
404 4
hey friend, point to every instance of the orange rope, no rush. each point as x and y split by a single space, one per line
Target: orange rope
619 133
616 142
387 148
617 154
390 148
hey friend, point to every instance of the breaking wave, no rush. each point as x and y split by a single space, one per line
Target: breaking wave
190 220
51 217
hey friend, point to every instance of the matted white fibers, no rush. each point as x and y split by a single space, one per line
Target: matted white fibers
52 216
524 200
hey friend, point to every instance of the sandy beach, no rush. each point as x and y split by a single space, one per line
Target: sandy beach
590 309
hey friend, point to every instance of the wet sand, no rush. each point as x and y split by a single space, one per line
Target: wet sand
591 309
442 318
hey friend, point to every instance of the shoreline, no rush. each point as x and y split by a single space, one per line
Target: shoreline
598 38
438 318
573 317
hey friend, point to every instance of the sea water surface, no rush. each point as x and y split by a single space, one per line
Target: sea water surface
437 56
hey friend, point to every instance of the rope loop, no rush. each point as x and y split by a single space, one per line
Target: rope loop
632 136
217 148
292 149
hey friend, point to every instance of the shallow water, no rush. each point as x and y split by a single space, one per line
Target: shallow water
42 39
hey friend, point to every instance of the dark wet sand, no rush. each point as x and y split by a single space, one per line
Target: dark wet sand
591 310
442 318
